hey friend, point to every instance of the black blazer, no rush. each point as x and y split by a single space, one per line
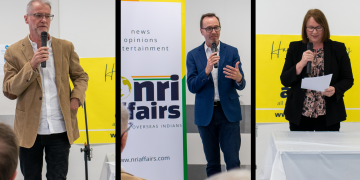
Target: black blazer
336 62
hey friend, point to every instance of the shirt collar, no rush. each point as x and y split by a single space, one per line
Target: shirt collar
35 44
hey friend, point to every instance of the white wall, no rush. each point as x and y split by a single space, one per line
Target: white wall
286 17
90 25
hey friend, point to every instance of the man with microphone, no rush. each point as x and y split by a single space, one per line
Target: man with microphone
45 115
214 77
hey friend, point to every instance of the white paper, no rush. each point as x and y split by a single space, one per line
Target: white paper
316 83
111 163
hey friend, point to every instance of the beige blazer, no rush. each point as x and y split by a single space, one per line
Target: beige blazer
23 83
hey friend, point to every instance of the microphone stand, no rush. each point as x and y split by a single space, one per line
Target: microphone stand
86 148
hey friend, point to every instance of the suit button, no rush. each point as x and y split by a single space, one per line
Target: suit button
40 98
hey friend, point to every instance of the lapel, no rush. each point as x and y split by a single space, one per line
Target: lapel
327 57
28 52
303 49
57 53
222 59
203 59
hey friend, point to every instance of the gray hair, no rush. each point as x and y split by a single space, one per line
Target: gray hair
9 152
235 174
124 118
29 5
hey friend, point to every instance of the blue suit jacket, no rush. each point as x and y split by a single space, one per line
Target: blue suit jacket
199 84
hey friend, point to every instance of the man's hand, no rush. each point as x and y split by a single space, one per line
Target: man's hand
329 91
233 73
40 55
213 59
74 103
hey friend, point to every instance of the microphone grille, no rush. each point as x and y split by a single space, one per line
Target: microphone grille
213 45
44 33
310 45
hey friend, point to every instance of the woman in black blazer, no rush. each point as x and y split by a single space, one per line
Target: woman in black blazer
308 110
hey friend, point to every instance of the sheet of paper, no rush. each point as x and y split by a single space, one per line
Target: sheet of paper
111 163
316 83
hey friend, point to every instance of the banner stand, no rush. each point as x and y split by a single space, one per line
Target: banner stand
86 148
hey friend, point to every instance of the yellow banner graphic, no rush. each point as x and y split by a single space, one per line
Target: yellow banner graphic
100 101
271 94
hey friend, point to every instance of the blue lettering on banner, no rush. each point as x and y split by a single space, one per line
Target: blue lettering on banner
154 111
283 94
279 115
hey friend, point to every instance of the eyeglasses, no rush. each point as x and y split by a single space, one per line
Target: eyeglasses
210 29
130 124
41 16
311 29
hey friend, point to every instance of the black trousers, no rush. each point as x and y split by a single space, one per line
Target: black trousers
313 124
57 149
220 133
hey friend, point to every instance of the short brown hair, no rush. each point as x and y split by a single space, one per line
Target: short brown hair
320 18
208 15
9 152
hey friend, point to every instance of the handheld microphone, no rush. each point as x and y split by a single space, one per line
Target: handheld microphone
308 66
214 49
43 44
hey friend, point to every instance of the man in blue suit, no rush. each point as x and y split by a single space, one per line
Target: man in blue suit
217 106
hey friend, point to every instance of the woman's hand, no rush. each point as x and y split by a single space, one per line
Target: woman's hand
329 91
306 57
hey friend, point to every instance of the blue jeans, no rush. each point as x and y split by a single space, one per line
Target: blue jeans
57 149
227 134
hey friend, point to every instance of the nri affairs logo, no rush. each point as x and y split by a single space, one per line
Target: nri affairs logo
125 90
166 88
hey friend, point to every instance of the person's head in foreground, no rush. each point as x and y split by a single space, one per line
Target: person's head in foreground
9 152
235 174
124 134
124 125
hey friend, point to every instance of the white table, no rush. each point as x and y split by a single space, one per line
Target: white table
108 171
312 155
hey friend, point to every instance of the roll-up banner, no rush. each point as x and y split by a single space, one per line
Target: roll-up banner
152 88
